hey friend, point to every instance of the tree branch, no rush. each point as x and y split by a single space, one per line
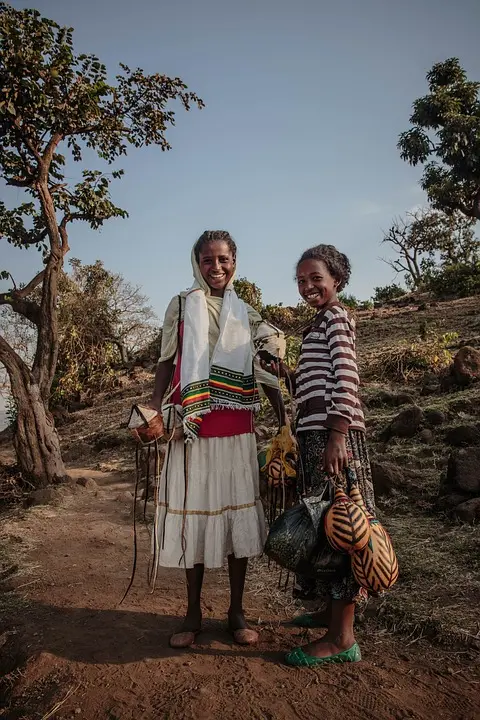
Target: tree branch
27 308
34 282
11 360
23 137
21 182
48 156
476 205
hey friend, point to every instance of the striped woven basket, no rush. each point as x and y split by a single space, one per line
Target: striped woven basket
346 524
375 567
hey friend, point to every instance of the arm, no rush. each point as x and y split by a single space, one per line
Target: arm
341 343
276 401
164 370
280 370
163 376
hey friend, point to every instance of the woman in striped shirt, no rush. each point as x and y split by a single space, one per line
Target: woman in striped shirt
331 436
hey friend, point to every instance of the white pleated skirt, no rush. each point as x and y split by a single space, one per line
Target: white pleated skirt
213 512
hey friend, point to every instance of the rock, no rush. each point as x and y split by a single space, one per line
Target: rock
426 436
463 435
464 406
468 512
405 399
44 496
389 399
434 417
448 382
386 477
430 385
108 440
466 366
87 483
463 470
124 497
451 501
407 423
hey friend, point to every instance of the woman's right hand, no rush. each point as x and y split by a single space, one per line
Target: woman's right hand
154 404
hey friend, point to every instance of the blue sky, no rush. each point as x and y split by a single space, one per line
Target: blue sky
297 144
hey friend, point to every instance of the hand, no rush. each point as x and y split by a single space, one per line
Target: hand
335 457
154 403
275 368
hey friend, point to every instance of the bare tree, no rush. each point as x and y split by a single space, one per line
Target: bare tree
427 237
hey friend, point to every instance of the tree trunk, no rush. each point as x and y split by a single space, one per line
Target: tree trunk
36 441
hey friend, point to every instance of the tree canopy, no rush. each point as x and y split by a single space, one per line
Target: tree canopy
445 138
54 105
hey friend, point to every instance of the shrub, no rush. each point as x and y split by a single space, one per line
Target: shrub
388 292
348 300
408 363
456 280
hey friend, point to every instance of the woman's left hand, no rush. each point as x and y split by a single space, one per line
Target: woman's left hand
335 457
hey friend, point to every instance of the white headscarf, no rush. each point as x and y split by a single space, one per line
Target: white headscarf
226 380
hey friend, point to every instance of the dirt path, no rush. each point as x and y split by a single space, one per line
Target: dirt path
115 664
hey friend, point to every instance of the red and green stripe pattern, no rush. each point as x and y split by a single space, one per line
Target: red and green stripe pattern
224 388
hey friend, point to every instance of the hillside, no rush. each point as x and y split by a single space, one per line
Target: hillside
69 559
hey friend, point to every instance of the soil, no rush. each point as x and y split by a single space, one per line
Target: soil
69 650
77 651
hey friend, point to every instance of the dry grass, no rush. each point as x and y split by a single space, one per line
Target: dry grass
438 592
407 362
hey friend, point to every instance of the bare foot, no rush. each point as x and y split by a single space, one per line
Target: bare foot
237 626
236 620
192 621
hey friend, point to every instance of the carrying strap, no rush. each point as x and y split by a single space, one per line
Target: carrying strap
153 570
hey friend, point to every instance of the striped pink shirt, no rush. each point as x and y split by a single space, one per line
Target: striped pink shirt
326 379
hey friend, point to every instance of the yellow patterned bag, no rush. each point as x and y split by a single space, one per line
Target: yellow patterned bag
281 459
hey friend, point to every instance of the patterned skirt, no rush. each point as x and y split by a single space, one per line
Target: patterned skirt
312 444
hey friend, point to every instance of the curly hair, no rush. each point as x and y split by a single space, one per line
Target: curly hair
210 236
337 263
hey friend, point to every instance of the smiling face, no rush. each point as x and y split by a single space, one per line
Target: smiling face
217 265
315 283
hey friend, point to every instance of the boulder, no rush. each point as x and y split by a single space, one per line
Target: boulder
124 497
466 366
463 435
430 385
451 501
468 512
463 470
407 423
388 399
434 417
426 436
87 483
386 477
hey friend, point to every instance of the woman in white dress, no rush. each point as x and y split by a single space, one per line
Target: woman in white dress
208 504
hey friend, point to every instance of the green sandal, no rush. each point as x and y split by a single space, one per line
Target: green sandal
299 658
306 621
